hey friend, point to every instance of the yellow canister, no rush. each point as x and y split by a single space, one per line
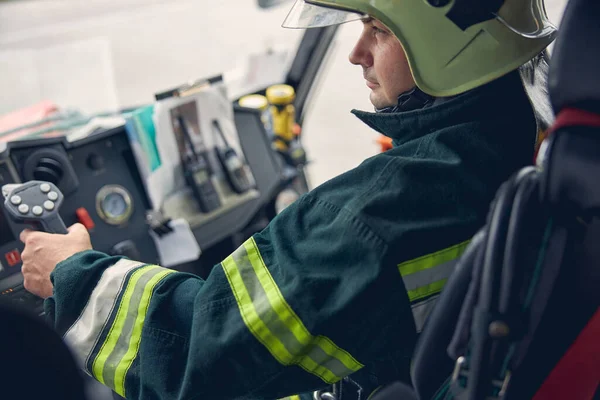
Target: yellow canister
256 101
259 102
283 113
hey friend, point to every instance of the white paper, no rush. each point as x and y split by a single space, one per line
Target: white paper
165 179
177 247
211 104
95 124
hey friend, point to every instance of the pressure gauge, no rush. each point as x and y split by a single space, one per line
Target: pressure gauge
114 205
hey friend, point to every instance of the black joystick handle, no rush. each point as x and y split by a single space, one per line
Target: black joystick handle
54 224
36 203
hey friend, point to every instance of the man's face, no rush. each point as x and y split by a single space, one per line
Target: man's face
384 64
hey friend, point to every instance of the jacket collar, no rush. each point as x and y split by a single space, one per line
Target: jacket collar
482 104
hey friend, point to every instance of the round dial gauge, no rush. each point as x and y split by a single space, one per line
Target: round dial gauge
114 205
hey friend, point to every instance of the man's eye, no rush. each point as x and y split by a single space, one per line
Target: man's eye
379 31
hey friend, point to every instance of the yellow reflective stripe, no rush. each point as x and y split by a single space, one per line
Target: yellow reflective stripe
132 304
427 290
136 335
262 332
111 340
289 317
250 316
85 332
432 260
315 355
295 397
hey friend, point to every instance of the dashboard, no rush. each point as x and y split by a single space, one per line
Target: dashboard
102 190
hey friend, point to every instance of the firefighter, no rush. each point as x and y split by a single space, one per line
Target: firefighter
340 283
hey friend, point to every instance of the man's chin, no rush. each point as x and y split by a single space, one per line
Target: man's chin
377 101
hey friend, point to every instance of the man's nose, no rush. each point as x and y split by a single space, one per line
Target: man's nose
360 54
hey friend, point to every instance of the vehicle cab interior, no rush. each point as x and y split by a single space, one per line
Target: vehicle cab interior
518 319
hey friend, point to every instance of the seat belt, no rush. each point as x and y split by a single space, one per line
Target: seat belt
577 374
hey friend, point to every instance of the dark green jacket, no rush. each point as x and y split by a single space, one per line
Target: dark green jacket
339 282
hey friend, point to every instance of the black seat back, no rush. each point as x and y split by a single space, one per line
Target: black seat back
441 325
574 78
36 364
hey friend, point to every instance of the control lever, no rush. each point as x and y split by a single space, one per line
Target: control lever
126 248
36 203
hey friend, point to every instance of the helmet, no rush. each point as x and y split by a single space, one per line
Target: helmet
452 46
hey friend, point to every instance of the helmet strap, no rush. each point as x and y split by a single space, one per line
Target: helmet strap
410 100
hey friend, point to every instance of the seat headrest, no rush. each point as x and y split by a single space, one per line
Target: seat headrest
574 79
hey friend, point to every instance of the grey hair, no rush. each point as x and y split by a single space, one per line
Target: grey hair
534 75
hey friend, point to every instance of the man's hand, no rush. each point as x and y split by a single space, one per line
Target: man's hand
43 251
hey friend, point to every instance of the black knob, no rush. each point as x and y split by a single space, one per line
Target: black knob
51 164
95 162
49 170
126 248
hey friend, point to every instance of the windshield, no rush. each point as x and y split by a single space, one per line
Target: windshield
98 56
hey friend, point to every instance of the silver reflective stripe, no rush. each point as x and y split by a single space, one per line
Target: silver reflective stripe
271 319
427 276
422 310
83 335
127 326
274 323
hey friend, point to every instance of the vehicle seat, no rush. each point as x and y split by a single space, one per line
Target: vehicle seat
36 364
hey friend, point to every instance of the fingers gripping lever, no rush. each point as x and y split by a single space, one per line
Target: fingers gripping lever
36 203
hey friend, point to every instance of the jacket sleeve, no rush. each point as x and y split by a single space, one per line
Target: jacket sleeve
305 302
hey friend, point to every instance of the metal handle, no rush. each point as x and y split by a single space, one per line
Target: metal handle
322 395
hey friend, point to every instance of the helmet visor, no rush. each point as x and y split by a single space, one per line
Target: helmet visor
305 15
526 18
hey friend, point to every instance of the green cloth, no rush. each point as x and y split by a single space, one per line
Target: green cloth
319 292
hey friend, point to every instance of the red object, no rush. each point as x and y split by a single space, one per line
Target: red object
385 143
84 218
576 117
577 374
25 116
13 257
297 130
573 117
